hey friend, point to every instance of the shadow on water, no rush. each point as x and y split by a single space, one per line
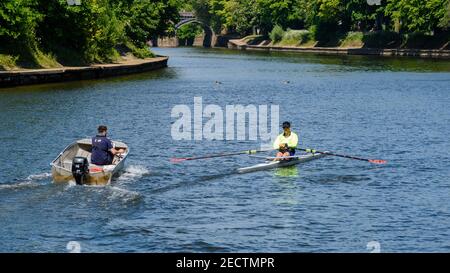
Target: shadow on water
160 74
343 62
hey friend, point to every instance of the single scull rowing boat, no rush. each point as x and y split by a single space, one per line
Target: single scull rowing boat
293 160
281 162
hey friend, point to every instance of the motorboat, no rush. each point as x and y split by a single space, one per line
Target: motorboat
74 164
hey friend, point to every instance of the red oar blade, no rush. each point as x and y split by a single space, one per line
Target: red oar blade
377 161
177 160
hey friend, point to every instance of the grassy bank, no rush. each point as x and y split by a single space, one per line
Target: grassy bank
29 58
354 39
19 57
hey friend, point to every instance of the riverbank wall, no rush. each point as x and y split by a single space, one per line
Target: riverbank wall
37 76
423 53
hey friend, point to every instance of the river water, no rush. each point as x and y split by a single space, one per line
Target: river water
390 108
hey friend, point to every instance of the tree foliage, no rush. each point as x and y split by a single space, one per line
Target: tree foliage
18 22
189 31
243 16
418 15
92 30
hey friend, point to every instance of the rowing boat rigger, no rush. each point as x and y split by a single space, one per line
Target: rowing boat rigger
282 163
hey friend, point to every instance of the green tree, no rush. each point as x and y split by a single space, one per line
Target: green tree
239 15
18 21
306 10
361 16
418 15
285 13
187 33
330 11
445 20
208 11
94 29
90 30
149 18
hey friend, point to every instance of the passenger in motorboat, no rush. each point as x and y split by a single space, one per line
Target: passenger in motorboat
103 150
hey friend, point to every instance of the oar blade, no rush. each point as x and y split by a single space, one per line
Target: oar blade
377 161
177 160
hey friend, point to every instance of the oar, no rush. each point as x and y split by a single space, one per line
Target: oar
176 160
374 161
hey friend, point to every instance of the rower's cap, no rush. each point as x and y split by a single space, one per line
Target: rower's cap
286 124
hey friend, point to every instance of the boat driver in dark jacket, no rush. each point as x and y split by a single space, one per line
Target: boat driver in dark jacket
103 150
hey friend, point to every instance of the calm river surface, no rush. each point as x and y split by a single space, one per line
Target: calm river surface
396 109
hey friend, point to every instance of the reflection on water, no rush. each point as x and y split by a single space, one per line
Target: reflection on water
288 191
290 171
333 62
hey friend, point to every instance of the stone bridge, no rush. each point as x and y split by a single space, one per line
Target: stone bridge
209 37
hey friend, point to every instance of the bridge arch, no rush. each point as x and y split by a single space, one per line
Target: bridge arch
209 32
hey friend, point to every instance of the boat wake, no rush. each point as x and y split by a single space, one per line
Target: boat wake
123 194
29 182
70 184
18 185
40 176
132 173
111 193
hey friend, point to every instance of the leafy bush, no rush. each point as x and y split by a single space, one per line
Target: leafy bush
312 32
276 34
353 39
305 36
300 36
295 37
140 52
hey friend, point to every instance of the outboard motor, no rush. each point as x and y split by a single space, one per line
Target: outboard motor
80 169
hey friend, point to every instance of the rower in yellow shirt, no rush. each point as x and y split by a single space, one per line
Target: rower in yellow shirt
286 142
